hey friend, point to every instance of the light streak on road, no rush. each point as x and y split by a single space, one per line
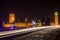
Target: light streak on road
21 31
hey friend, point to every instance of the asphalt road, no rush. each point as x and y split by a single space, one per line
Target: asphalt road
51 33
46 34
21 31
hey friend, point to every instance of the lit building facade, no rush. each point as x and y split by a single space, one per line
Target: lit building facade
56 18
39 24
25 24
11 17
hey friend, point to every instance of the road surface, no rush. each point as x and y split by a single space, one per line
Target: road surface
46 34
38 33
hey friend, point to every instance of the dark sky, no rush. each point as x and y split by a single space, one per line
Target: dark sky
31 9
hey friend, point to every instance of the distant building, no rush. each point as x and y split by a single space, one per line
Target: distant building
39 24
56 18
52 23
45 21
26 19
11 17
17 24
55 22
23 24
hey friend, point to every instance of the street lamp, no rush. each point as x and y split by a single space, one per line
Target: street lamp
34 23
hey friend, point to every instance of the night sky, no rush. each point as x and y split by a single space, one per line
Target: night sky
31 9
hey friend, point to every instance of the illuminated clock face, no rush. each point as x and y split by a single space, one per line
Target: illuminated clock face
56 13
